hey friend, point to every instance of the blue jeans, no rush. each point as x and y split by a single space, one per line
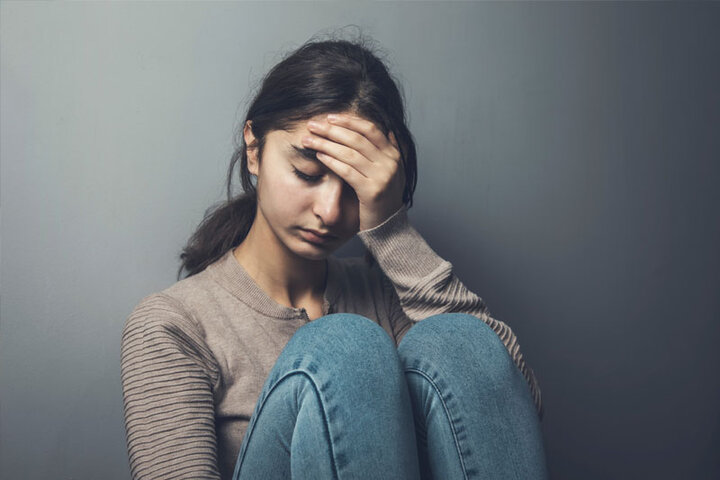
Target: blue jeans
342 402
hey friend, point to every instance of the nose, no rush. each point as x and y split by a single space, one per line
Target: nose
329 200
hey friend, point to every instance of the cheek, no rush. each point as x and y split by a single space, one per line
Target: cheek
289 196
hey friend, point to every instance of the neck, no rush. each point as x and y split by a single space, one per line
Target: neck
287 278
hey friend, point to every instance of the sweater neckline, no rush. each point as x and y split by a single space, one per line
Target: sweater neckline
229 273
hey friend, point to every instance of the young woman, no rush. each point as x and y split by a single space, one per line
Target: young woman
274 359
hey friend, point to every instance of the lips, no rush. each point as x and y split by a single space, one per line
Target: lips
327 236
313 237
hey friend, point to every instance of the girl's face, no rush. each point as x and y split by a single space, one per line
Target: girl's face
296 192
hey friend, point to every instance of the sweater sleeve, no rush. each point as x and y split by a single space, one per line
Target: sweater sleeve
424 284
168 375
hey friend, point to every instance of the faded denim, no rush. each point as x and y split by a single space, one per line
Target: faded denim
342 402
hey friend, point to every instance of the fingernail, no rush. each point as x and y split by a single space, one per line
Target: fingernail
313 124
332 117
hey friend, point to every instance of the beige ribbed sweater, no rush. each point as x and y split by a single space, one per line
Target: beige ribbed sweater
195 356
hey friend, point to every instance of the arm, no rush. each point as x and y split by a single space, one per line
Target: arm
419 283
167 377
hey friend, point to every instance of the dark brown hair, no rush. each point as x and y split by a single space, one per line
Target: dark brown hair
318 77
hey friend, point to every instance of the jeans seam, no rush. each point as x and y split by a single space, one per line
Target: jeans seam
322 406
447 414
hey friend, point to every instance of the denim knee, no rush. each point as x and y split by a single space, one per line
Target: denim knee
450 341
354 338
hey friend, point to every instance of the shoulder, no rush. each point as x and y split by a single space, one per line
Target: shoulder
166 314
172 306
157 308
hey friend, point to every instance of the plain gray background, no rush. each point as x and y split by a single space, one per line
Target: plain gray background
568 168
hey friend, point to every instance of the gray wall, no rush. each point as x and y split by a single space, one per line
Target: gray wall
568 167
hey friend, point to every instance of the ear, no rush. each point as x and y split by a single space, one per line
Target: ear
251 148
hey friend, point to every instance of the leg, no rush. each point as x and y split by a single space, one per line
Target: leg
334 406
474 414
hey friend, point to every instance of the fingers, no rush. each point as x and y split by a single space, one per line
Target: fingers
354 148
345 169
339 144
354 133
366 128
343 143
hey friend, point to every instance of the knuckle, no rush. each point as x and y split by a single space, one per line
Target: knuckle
393 168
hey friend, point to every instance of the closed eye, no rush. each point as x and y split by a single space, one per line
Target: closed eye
307 154
307 178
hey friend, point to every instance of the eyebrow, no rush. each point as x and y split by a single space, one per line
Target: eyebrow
306 153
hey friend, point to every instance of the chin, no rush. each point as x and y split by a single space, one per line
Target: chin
317 252
311 252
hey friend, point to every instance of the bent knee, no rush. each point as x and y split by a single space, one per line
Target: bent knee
457 340
346 325
351 338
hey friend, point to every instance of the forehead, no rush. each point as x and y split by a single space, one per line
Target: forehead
301 125
290 139
296 130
